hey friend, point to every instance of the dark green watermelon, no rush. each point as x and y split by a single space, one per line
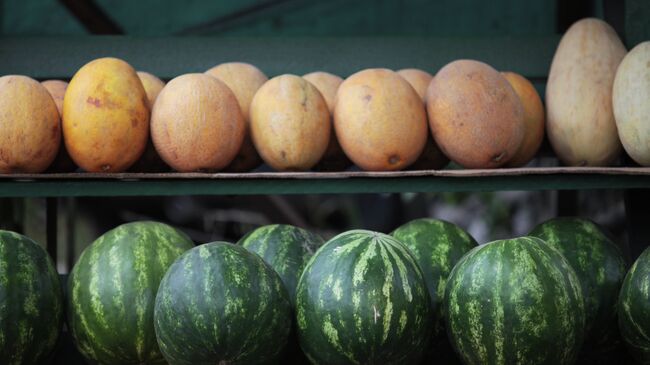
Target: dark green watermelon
362 299
634 309
285 248
112 291
437 246
514 301
600 266
31 301
220 304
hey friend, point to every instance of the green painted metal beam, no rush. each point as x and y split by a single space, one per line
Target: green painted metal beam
61 57
163 187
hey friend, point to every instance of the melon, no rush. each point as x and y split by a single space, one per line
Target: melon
220 304
630 97
475 116
196 124
515 301
105 116
634 309
380 120
150 161
599 264
580 122
31 127
432 157
362 299
31 310
244 80
290 123
112 290
62 162
328 84
533 119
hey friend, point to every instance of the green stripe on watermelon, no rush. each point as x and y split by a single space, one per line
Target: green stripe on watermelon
220 304
599 264
362 299
514 301
31 301
634 309
437 245
285 248
112 290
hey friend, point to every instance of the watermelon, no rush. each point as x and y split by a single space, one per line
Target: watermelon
634 309
437 245
600 266
112 290
362 299
31 301
285 248
514 301
220 304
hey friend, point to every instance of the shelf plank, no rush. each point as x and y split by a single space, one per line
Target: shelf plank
167 57
133 184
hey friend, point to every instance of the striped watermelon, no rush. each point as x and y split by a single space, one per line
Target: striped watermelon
514 301
31 301
634 309
437 246
285 248
600 266
220 304
362 299
112 290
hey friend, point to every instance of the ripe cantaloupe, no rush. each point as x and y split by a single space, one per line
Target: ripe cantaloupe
475 115
328 84
105 116
30 131
244 80
290 123
533 119
432 157
196 124
380 120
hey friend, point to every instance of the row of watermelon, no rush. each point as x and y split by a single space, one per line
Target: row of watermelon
143 294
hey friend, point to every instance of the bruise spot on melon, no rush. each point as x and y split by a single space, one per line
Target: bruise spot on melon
367 98
94 101
134 122
283 154
394 159
497 158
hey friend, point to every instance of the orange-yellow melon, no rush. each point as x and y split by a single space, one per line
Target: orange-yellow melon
152 86
475 115
290 123
380 120
244 80
328 84
533 119
196 124
30 126
62 162
432 157
105 116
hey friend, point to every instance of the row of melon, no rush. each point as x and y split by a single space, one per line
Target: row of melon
141 293
477 117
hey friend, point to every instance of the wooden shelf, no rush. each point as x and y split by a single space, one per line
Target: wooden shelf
138 184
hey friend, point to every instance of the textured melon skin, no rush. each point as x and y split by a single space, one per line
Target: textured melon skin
220 304
634 309
362 299
437 245
285 248
112 290
31 301
599 264
514 301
